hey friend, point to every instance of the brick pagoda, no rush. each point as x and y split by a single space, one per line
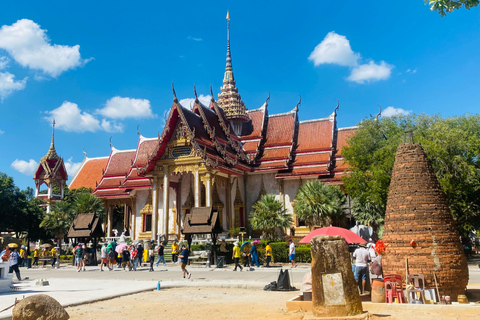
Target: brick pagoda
417 210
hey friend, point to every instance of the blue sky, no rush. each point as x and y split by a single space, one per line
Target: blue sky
102 68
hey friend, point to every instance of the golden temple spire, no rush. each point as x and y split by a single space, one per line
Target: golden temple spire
52 154
228 98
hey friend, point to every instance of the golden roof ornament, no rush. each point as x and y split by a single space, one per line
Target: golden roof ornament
51 154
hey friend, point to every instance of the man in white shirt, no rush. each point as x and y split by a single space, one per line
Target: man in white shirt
291 253
14 257
362 258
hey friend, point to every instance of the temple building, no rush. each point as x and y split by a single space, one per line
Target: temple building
52 173
220 155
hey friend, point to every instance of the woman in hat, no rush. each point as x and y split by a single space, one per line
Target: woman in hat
236 256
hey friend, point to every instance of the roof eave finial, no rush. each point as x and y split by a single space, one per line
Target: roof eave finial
268 98
298 103
195 91
84 153
211 93
336 108
138 132
111 145
174 93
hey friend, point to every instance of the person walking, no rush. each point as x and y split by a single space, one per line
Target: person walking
236 256
125 259
151 257
246 255
175 250
269 254
362 258
36 254
135 258
161 255
140 252
291 253
53 252
21 254
184 261
103 256
254 254
13 260
79 257
111 258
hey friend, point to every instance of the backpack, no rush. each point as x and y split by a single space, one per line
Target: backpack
111 255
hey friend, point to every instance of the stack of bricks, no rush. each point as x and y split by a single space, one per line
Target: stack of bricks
417 210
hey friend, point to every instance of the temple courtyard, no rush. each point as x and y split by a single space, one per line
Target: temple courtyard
210 294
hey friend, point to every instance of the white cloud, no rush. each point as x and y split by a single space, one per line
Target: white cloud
370 72
30 47
121 108
4 62
8 84
72 167
111 126
334 49
2 132
392 111
194 39
205 100
25 167
69 117
411 71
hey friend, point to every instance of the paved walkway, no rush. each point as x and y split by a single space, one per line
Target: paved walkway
73 288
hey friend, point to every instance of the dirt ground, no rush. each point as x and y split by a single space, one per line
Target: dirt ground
227 303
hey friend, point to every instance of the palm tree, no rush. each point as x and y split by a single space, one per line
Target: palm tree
58 220
270 215
89 203
368 212
318 203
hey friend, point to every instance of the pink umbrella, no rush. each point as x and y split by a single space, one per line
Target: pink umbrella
119 248
348 235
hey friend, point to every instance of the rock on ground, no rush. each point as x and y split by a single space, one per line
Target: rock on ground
39 307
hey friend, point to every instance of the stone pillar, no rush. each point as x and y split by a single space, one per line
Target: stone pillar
334 290
155 208
109 220
208 190
166 202
134 219
197 187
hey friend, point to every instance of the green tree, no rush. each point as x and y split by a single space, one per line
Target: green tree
451 144
368 212
58 221
319 204
89 203
270 216
446 6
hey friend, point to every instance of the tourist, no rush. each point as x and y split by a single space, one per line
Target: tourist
125 259
103 256
184 260
268 253
362 258
135 257
36 254
44 255
174 252
140 251
246 254
291 253
79 257
161 255
151 256
14 257
22 254
24 257
111 258
53 252
254 254
236 256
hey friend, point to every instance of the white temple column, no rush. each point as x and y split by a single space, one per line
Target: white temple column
197 187
109 220
155 207
166 202
208 190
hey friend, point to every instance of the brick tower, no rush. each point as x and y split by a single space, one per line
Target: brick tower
417 210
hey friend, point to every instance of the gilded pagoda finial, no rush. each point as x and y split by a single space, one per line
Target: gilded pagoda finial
52 154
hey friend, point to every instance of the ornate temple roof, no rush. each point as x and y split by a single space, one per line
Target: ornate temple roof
89 173
51 165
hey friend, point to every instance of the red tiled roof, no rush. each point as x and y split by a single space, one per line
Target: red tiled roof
145 148
89 173
280 129
257 120
305 171
275 153
110 182
120 162
111 193
311 158
314 135
342 137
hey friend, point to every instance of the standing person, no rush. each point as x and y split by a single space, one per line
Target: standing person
125 259
140 251
111 259
22 254
254 255
14 257
104 256
79 257
362 258
25 257
36 254
174 252
236 256
184 260
161 254
151 256
268 253
44 255
53 252
291 253
246 255
135 257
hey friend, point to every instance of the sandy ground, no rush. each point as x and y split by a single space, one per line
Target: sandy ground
227 303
